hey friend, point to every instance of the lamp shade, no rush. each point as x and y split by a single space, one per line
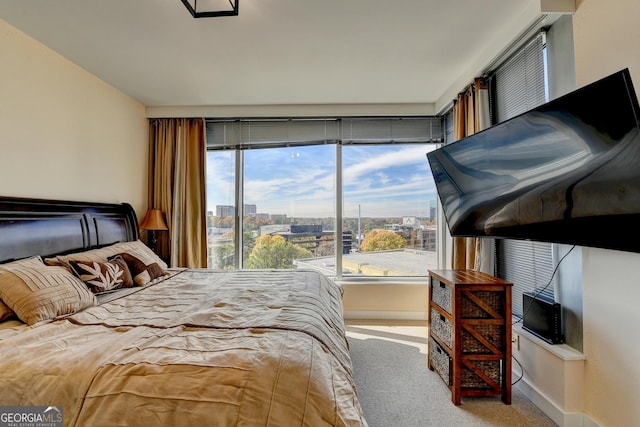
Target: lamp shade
153 220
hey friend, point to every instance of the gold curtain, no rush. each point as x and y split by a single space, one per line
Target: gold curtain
470 115
177 188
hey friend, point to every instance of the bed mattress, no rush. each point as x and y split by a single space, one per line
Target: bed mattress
203 347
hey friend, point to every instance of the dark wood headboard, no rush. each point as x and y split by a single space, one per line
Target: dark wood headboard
51 227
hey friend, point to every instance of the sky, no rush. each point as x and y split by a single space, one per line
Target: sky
381 180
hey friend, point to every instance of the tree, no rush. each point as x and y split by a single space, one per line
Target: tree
326 246
223 255
382 240
275 252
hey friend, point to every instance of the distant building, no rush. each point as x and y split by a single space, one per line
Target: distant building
427 239
309 231
274 229
401 229
410 221
433 207
250 210
229 210
225 210
278 218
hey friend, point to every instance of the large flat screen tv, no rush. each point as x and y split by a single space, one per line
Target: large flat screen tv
566 172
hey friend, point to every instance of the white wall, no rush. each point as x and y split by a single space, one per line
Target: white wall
64 133
607 39
601 389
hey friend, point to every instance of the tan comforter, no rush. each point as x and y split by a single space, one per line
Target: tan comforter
205 347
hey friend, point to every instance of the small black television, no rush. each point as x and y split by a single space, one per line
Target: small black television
567 171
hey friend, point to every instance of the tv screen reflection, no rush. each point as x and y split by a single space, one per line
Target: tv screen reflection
567 172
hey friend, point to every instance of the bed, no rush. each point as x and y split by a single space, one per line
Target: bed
96 326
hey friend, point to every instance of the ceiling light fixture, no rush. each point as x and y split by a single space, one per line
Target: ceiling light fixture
211 8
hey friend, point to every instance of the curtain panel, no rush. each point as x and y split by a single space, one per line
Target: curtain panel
471 114
177 187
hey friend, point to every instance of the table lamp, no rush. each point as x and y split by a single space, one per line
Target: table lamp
153 221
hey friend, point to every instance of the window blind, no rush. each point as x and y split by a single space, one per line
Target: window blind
520 81
264 133
519 84
528 265
258 133
448 127
374 130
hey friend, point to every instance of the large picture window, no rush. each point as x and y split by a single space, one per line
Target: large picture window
348 197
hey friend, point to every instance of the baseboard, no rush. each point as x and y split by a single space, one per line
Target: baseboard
559 416
385 315
588 422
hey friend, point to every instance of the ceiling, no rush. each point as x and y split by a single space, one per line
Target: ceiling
278 51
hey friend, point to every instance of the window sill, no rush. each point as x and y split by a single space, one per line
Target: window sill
382 280
561 351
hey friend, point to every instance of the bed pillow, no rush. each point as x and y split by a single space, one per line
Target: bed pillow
135 248
103 276
141 271
36 292
54 262
5 312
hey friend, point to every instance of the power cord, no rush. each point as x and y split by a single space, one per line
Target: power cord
525 311
540 291
521 370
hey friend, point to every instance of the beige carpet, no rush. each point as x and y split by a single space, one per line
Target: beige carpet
396 389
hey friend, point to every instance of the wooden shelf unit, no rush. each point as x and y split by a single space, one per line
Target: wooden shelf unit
470 333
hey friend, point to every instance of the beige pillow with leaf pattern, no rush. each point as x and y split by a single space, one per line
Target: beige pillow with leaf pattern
136 248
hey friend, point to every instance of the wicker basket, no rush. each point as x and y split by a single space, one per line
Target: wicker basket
441 327
470 310
490 368
441 294
492 333
440 361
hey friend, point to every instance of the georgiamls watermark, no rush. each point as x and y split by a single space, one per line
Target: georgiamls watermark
31 416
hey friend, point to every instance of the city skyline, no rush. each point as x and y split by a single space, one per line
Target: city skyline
229 210
378 180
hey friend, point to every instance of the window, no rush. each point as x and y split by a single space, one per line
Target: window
529 266
345 196
221 209
291 192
